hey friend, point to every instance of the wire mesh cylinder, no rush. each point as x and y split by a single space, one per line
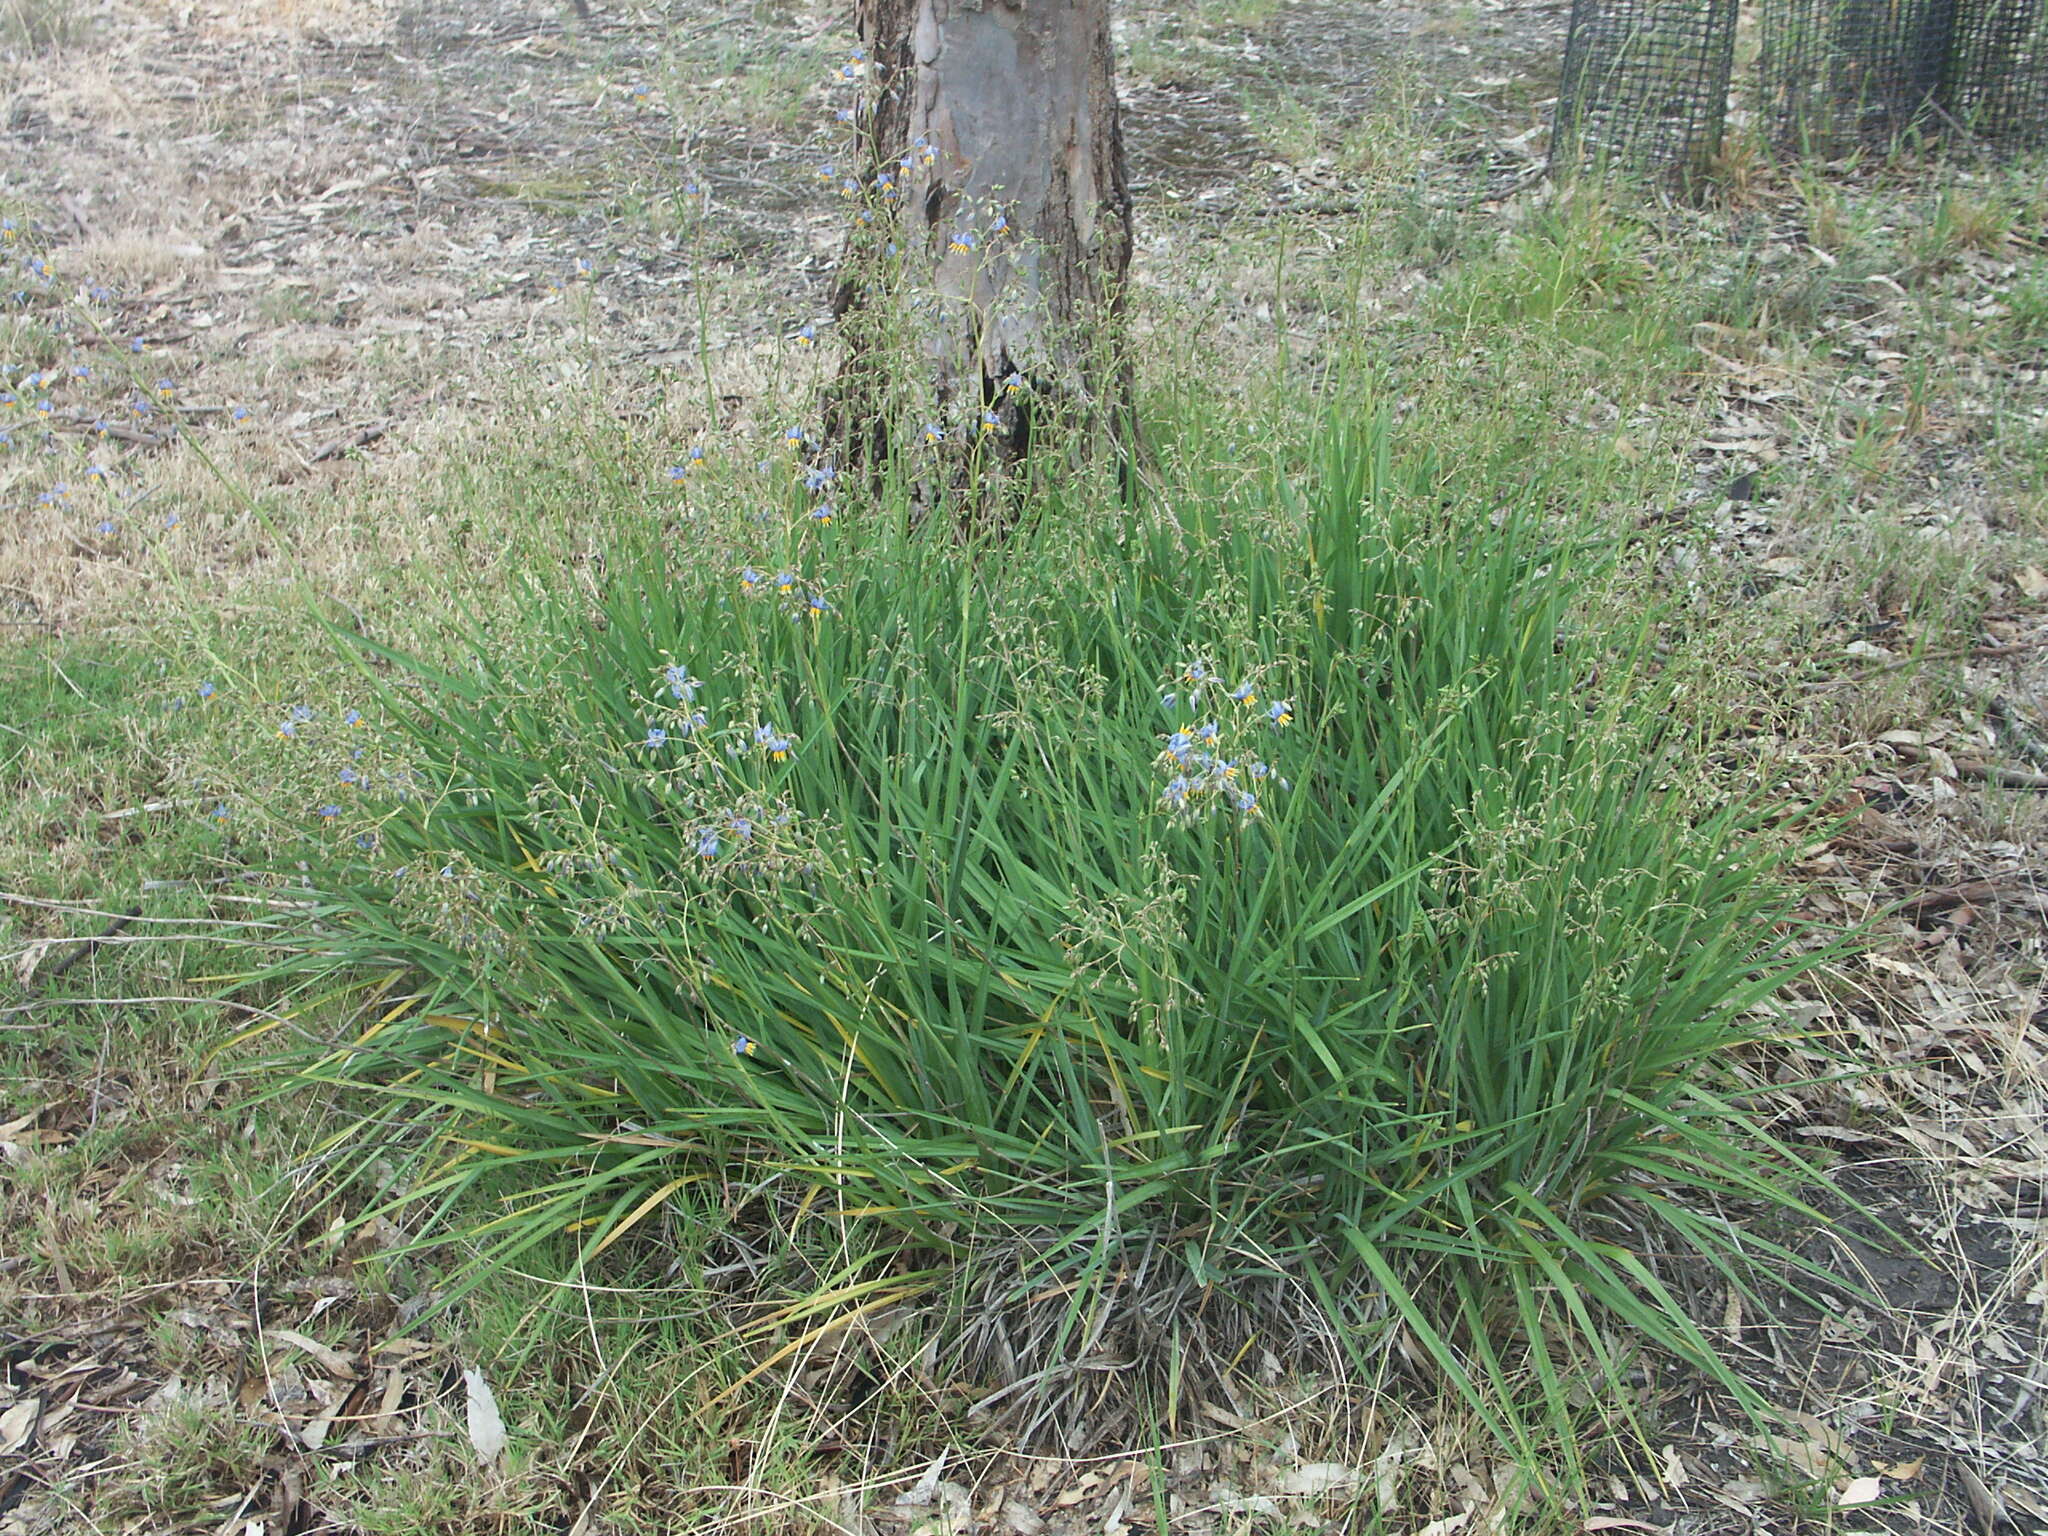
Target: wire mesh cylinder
1837 72
1645 84
1998 71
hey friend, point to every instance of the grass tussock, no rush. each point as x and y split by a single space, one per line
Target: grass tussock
39 26
1262 917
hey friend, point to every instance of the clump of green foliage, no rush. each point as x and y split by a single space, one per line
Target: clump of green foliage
1261 915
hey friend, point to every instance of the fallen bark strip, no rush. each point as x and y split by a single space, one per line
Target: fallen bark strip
341 445
95 428
1976 893
1976 772
1999 774
92 944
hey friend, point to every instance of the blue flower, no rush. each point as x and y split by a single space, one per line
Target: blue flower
220 811
818 607
820 476
352 717
1014 384
742 1046
106 527
239 413
350 776
680 683
1245 693
135 345
934 433
302 712
962 242
806 336
329 812
54 494
707 844
749 577
206 691
990 421
656 737
1282 713
794 437
742 827
769 740
822 512
785 581
166 390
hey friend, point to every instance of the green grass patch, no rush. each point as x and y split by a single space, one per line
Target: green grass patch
1159 934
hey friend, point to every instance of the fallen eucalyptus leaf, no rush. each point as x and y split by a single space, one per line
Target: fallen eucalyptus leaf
486 1424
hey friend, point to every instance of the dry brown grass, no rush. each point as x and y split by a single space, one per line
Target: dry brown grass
287 20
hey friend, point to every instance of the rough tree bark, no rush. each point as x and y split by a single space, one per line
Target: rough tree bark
997 208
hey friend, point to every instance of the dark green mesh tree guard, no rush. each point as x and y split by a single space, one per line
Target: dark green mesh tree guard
1839 72
1998 70
1645 84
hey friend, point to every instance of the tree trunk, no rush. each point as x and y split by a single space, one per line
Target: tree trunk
995 237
